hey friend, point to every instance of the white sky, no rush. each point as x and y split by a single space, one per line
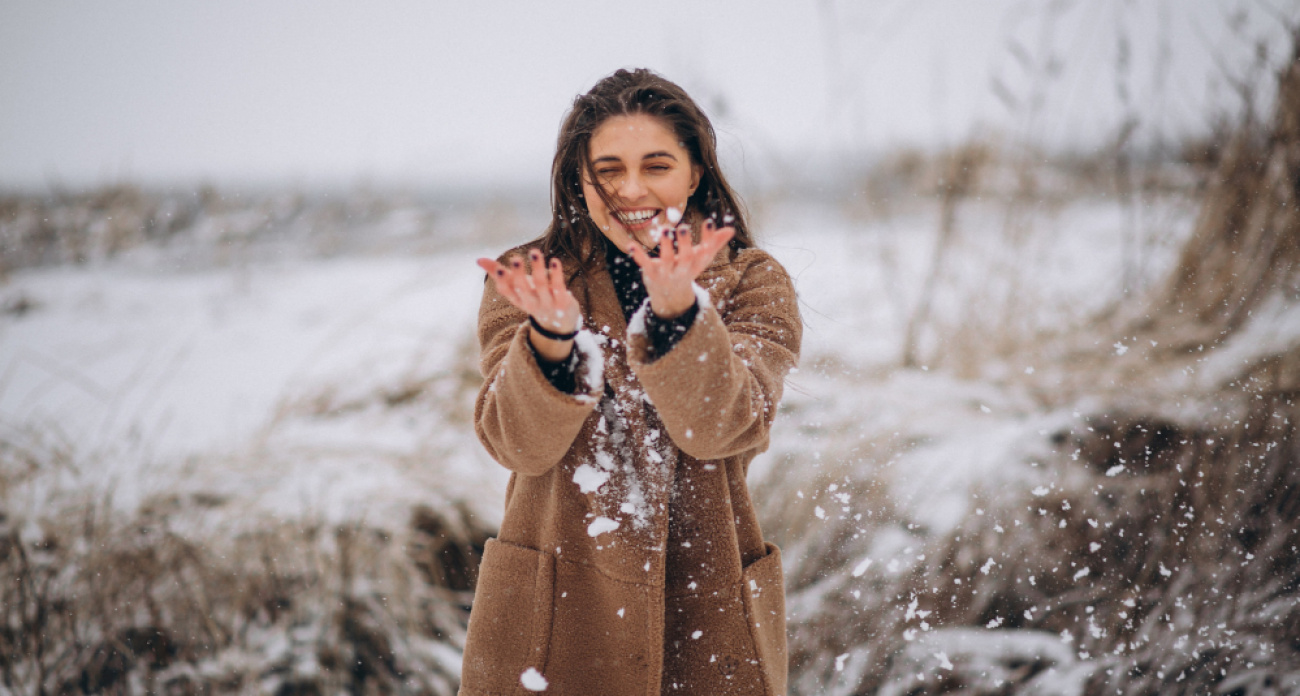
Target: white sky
244 91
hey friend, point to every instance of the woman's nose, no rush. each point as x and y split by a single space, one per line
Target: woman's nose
631 187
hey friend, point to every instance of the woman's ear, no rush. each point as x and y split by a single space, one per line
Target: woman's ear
696 173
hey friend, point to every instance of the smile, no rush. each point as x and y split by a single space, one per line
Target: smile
637 217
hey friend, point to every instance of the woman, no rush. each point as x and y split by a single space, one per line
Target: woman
630 559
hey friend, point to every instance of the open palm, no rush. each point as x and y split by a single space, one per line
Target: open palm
668 277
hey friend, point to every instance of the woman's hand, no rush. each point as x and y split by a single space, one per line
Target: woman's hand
543 295
668 278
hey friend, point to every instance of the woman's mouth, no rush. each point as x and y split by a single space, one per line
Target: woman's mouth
637 219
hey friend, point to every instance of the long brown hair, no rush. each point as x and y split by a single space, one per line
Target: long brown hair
572 234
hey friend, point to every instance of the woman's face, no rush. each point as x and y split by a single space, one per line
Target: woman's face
644 171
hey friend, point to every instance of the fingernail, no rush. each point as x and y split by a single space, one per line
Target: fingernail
501 272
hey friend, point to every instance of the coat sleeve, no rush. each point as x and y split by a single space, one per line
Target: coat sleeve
525 423
717 390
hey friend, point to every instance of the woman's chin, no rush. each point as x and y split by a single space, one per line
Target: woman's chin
646 241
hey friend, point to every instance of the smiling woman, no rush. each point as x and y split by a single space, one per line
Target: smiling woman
630 559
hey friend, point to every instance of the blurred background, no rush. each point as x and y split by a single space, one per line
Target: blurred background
1042 439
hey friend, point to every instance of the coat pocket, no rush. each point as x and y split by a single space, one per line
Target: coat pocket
510 620
763 589
607 635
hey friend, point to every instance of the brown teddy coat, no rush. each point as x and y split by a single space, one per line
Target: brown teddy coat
630 559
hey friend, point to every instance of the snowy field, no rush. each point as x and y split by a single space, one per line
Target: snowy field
277 388
150 371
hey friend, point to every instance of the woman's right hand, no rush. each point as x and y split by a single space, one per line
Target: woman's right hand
543 295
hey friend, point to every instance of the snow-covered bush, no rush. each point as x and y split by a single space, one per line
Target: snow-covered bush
180 598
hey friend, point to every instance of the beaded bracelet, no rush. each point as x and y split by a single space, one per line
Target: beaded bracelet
547 333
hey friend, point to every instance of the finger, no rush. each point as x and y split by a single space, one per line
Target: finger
557 280
520 277
685 239
494 269
639 255
712 238
529 271
555 275
489 266
496 272
707 231
709 247
514 274
668 247
536 269
717 238
507 290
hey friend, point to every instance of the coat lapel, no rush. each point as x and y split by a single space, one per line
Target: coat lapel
605 315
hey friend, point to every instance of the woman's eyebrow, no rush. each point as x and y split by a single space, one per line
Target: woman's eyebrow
651 155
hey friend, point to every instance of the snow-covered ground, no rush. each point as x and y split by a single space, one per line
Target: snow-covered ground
296 387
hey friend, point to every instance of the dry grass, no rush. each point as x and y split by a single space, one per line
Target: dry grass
202 226
1192 581
1161 555
191 593
94 601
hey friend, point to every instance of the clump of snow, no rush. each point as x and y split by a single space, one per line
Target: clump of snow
533 680
589 478
636 323
601 525
701 295
593 364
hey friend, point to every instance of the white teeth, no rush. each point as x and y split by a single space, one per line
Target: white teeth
638 217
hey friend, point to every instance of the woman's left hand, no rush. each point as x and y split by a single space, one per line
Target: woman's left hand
668 278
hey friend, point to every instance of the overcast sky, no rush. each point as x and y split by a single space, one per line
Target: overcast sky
322 91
